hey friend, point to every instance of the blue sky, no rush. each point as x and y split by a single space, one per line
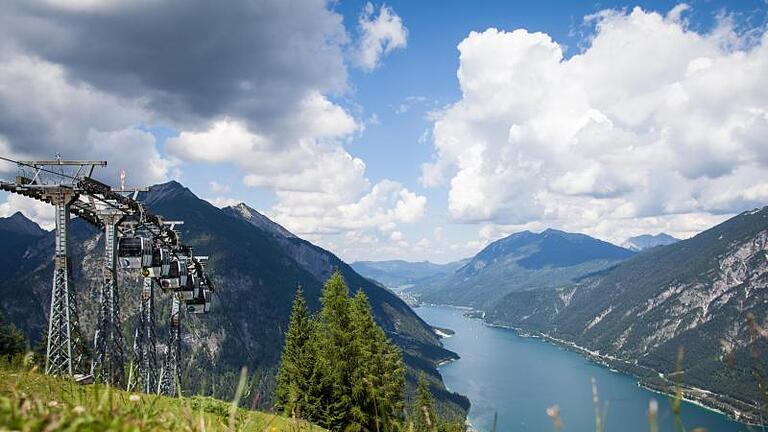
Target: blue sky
291 109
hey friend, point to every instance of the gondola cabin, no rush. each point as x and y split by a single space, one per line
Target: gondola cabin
134 252
189 289
201 303
177 276
161 263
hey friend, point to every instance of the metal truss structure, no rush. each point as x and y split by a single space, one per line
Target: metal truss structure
69 187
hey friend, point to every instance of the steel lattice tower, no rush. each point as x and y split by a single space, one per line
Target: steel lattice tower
170 375
145 341
64 352
109 359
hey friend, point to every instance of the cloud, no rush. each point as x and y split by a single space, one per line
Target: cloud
217 187
651 122
246 83
408 103
222 202
86 74
42 113
191 61
380 35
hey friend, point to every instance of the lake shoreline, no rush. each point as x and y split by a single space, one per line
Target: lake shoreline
706 399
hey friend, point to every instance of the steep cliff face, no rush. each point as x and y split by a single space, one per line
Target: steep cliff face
256 269
695 294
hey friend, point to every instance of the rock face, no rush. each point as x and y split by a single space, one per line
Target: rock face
256 266
695 294
258 220
520 262
647 241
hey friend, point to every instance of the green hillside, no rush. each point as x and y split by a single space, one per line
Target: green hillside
31 401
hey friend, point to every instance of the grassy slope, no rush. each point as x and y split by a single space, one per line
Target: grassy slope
32 401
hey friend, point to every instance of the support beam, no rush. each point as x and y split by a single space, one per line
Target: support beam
65 350
109 360
170 375
145 343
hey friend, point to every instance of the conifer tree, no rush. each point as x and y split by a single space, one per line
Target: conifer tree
339 370
337 353
379 378
423 410
297 362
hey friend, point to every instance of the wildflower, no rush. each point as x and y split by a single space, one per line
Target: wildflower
53 404
79 410
134 398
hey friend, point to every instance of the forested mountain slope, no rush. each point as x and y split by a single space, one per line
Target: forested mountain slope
696 294
520 262
256 270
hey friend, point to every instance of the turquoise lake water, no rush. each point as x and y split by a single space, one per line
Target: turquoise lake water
520 377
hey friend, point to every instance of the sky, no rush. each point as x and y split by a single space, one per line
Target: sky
403 130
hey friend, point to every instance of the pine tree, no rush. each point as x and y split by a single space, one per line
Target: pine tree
340 370
296 363
335 347
379 378
423 410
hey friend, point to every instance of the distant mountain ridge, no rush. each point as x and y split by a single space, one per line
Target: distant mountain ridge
256 272
396 274
20 224
258 220
696 294
519 262
647 241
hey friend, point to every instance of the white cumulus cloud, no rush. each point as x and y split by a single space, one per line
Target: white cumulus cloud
652 123
380 35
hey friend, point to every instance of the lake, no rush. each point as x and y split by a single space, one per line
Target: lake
520 377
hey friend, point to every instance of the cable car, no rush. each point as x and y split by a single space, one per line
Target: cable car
201 303
134 252
160 265
188 290
177 276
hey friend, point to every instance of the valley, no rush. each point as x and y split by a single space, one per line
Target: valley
636 312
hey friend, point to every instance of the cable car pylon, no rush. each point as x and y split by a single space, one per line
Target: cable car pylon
170 375
134 239
64 347
109 358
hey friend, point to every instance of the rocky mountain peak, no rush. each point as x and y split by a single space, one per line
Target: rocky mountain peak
165 191
647 241
20 224
252 216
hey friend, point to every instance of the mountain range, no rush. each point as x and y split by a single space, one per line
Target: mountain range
520 262
647 241
256 265
696 294
399 274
